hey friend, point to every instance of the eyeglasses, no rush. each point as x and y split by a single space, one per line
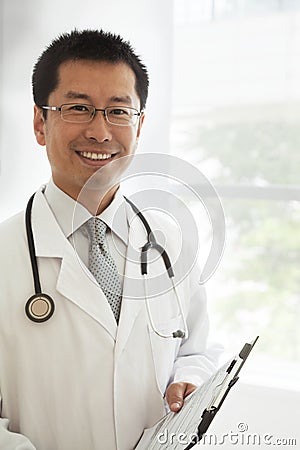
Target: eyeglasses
79 113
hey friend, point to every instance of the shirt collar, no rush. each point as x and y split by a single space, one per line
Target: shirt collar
71 215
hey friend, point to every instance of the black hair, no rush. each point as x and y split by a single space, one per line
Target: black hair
93 45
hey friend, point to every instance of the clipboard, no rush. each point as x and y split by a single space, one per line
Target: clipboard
184 429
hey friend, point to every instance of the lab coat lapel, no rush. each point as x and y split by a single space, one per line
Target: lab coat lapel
77 284
133 302
74 280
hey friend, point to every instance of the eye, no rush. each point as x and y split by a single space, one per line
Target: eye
119 112
79 108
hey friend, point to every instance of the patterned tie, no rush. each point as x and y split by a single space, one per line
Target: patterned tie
102 265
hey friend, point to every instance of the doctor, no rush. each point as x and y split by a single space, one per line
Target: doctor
86 379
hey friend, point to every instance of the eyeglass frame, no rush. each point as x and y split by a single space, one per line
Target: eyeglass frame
103 110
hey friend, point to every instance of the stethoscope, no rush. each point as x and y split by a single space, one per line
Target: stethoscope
40 307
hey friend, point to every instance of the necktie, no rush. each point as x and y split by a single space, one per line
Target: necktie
102 265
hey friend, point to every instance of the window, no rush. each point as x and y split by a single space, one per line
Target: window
236 105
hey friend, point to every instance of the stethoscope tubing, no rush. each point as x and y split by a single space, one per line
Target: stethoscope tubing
40 307
151 244
175 334
31 247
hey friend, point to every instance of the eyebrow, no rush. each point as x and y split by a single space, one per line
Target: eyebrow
123 99
77 95
73 95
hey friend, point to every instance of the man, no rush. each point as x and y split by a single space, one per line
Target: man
93 375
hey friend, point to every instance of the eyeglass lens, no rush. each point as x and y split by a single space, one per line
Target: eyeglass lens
84 113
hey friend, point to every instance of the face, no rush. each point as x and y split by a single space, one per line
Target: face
72 148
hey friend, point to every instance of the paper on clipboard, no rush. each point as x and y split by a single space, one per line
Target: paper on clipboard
175 430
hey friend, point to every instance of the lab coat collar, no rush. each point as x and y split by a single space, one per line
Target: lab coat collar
49 238
45 220
71 215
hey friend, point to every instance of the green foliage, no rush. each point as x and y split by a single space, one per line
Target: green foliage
251 153
262 275
266 291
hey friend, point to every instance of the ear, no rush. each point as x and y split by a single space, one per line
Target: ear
39 125
140 124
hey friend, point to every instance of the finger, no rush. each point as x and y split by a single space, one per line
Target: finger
175 396
189 389
176 393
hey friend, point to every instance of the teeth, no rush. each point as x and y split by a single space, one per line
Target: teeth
95 156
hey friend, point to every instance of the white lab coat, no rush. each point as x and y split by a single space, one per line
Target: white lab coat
78 381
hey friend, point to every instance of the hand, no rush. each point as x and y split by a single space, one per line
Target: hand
176 393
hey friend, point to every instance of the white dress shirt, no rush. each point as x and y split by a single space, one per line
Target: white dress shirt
71 216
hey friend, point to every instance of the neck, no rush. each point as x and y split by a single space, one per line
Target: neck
94 200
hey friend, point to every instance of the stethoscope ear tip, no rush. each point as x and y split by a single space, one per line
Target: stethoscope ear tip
178 334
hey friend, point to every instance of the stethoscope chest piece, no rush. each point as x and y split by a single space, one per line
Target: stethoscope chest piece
39 308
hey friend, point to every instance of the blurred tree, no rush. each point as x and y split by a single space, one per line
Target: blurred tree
252 153
263 275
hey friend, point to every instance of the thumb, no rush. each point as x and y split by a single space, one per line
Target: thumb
175 395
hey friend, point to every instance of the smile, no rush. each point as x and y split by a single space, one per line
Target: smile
96 156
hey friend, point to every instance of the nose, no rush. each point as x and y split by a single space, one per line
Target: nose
98 129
